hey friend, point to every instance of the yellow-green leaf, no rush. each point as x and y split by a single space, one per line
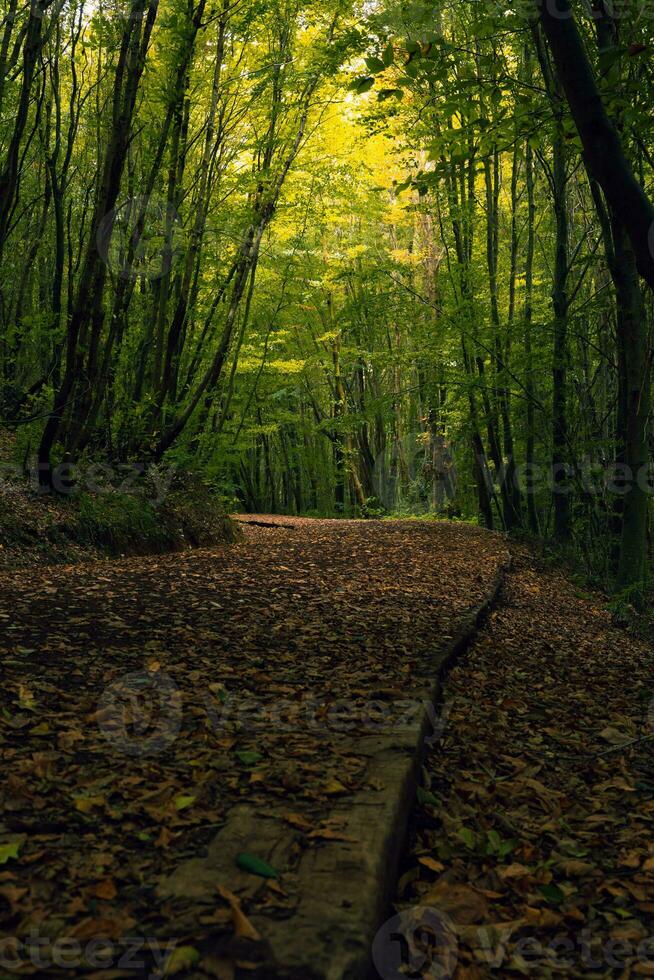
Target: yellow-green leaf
9 851
183 802
180 959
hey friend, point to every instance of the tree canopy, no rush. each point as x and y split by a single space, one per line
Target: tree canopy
342 258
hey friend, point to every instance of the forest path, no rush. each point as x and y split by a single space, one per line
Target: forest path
150 703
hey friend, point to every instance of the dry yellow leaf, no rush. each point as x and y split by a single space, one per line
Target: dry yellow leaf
87 803
431 863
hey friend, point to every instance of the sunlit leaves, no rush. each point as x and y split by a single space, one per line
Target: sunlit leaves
389 93
361 85
375 65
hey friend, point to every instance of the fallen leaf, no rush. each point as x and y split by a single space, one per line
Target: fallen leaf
9 852
431 863
255 865
243 928
184 801
106 889
462 903
85 804
181 958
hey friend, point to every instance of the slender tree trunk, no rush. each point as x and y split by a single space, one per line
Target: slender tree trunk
530 443
560 462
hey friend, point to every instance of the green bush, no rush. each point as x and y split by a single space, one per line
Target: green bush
122 523
628 606
135 523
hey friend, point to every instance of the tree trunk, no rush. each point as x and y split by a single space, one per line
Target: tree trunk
603 150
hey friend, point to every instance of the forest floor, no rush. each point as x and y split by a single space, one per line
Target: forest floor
154 709
532 852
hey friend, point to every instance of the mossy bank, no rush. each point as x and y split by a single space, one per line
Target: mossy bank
148 515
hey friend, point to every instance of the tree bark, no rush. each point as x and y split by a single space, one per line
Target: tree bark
603 150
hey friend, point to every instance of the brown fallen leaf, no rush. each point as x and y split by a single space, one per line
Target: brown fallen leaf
102 928
333 787
85 804
164 838
327 834
546 918
297 820
513 871
613 735
462 903
106 889
243 928
431 863
13 895
576 868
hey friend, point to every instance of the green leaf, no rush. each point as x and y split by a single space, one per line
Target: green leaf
361 85
552 893
184 802
9 851
255 866
507 846
375 65
423 796
181 958
249 757
388 56
387 93
42 729
467 836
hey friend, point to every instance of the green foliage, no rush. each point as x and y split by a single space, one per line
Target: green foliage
628 607
120 523
329 305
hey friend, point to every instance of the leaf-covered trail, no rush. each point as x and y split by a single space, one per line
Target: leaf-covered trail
143 699
534 832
